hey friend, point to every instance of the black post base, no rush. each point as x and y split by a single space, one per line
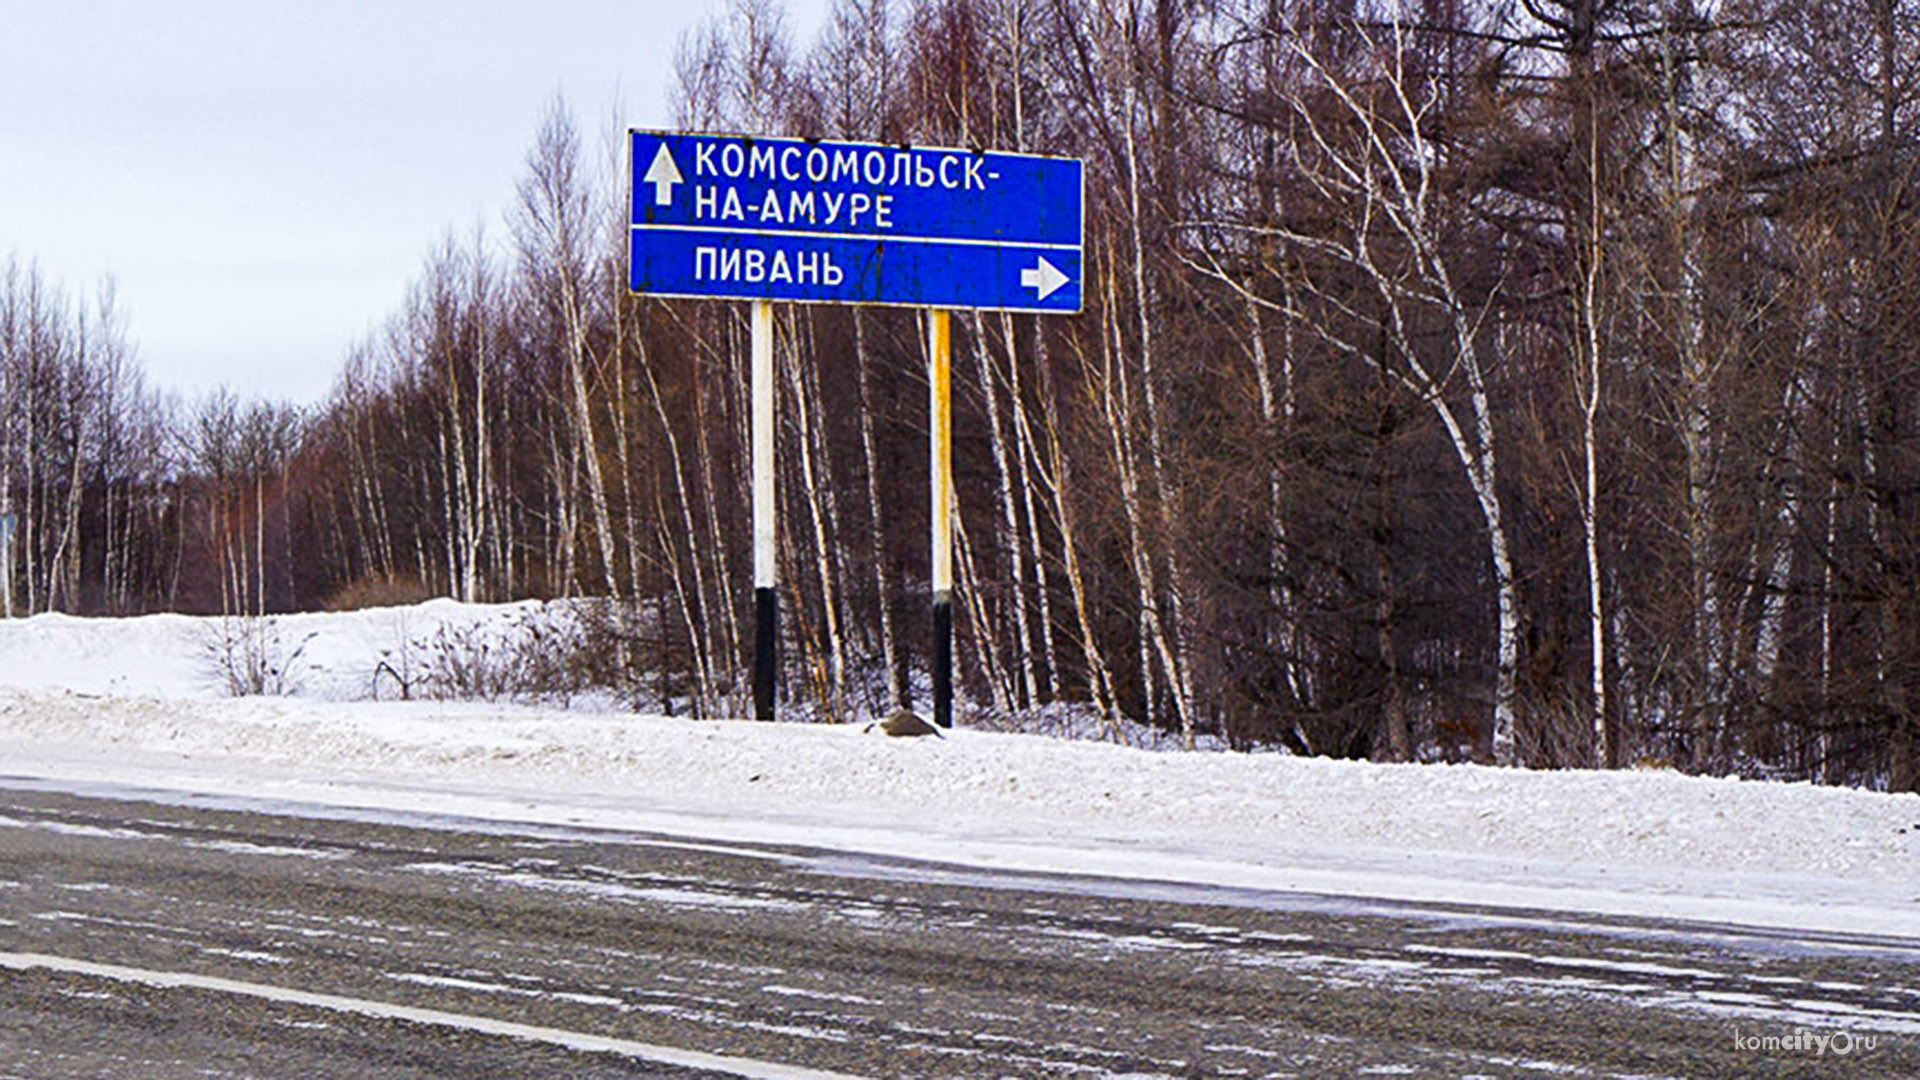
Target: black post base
766 657
943 659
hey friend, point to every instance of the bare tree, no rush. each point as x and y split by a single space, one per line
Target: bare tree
1363 146
554 227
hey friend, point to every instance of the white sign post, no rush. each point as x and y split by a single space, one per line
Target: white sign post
766 560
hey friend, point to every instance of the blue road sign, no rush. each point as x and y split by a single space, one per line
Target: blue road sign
749 218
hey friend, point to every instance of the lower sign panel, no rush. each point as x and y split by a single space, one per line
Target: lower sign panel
686 262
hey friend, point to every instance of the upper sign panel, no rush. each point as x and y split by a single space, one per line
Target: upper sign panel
858 223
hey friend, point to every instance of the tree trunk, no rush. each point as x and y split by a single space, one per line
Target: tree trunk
897 690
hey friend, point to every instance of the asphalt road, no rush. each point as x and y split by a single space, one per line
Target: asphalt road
162 939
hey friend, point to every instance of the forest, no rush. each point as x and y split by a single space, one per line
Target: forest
1529 382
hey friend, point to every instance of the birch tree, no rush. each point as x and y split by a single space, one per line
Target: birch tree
1363 146
554 227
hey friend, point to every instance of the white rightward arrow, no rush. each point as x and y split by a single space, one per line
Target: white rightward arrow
663 174
1046 278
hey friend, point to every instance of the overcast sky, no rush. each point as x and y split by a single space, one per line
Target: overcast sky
263 177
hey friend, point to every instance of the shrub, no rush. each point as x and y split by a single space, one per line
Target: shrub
249 658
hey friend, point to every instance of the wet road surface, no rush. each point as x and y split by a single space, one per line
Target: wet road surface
180 938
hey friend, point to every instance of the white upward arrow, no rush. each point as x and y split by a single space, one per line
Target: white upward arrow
663 174
1046 278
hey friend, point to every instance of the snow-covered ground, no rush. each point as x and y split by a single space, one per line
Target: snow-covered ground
137 702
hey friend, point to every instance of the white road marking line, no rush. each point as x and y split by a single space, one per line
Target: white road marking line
891 238
572 1040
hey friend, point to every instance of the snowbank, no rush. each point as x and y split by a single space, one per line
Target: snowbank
333 655
116 701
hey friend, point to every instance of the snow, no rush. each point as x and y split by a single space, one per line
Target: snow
170 656
137 702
